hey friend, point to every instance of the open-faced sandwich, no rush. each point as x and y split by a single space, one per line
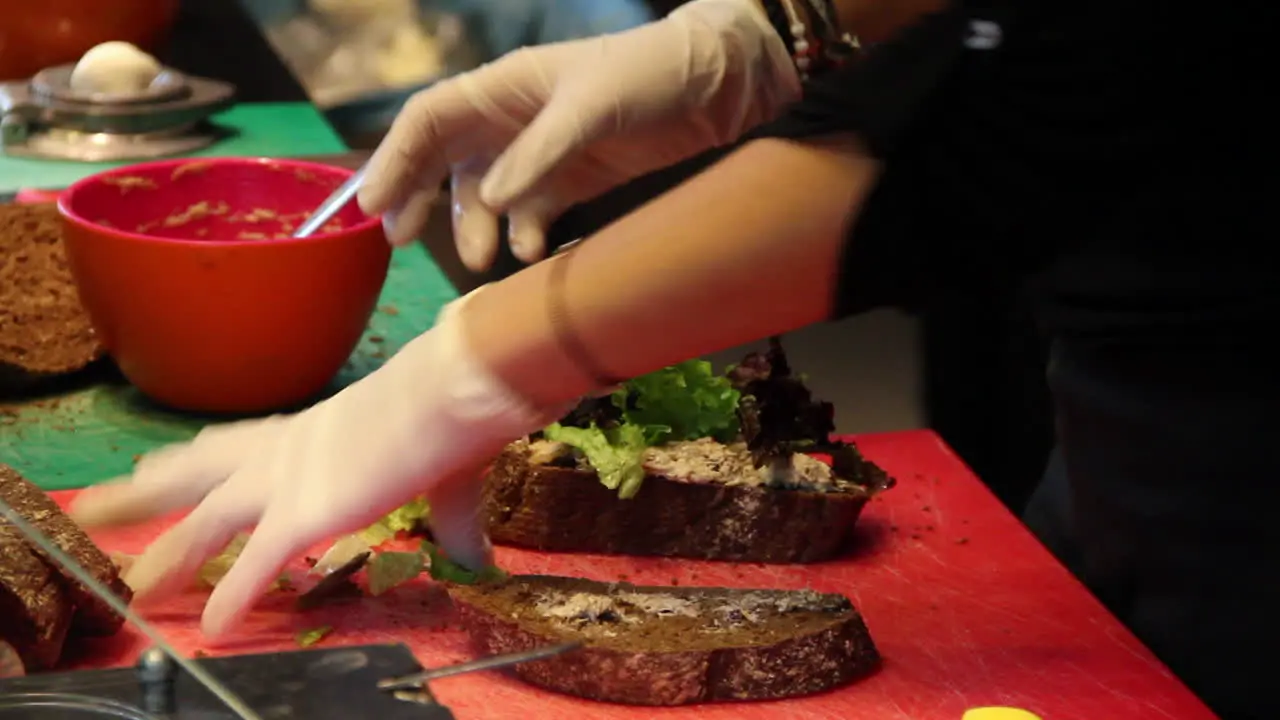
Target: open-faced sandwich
670 646
40 607
687 463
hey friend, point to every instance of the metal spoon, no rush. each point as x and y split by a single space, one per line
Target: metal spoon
331 205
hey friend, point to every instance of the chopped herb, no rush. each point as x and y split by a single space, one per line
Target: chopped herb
687 401
307 638
442 569
409 517
212 572
616 454
389 569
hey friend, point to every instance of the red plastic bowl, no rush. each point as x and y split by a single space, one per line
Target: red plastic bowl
198 293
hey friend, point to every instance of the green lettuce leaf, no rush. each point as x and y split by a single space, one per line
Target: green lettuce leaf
616 454
214 569
405 518
682 402
389 569
307 638
688 401
443 569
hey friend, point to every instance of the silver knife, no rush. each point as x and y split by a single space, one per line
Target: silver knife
212 684
495 662
73 568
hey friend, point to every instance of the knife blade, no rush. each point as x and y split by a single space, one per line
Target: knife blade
74 569
495 662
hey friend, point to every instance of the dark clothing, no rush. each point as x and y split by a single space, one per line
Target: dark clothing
1091 153
1162 500
1114 161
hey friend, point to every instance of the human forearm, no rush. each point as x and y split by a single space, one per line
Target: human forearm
748 249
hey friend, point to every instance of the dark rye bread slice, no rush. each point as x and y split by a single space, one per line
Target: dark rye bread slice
44 329
92 615
670 646
35 609
531 499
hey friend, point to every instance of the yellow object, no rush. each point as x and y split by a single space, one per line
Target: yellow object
998 713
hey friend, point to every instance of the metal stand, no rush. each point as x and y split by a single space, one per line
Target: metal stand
45 118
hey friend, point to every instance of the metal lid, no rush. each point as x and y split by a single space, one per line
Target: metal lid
55 84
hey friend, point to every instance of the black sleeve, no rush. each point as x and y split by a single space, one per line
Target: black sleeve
1008 132
901 251
827 108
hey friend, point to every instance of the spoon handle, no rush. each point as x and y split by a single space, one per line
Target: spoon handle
331 205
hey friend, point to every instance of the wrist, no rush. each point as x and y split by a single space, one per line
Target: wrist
515 344
470 403
811 31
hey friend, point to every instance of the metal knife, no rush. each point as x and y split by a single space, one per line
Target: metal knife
407 684
74 569
496 662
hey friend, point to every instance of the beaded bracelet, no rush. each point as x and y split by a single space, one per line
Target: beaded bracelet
811 33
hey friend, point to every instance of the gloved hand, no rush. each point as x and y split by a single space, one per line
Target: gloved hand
426 422
544 128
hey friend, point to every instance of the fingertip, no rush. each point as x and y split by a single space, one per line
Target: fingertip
404 224
474 555
381 179
496 189
273 543
93 506
455 521
528 242
392 228
218 618
475 226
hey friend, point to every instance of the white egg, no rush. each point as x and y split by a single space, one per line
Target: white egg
114 68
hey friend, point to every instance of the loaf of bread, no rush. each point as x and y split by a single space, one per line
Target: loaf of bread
44 329
35 609
40 606
92 615
669 645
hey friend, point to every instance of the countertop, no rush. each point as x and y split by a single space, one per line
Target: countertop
965 606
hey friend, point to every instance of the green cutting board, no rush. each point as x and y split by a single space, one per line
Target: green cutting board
92 433
268 129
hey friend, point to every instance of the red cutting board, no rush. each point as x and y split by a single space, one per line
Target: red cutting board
966 607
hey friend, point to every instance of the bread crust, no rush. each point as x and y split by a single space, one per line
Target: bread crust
92 616
35 609
44 328
562 509
812 659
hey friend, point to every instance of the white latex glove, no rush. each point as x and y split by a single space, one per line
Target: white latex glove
426 422
544 128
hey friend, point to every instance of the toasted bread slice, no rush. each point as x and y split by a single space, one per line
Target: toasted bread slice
670 646
92 615
700 500
44 329
35 610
